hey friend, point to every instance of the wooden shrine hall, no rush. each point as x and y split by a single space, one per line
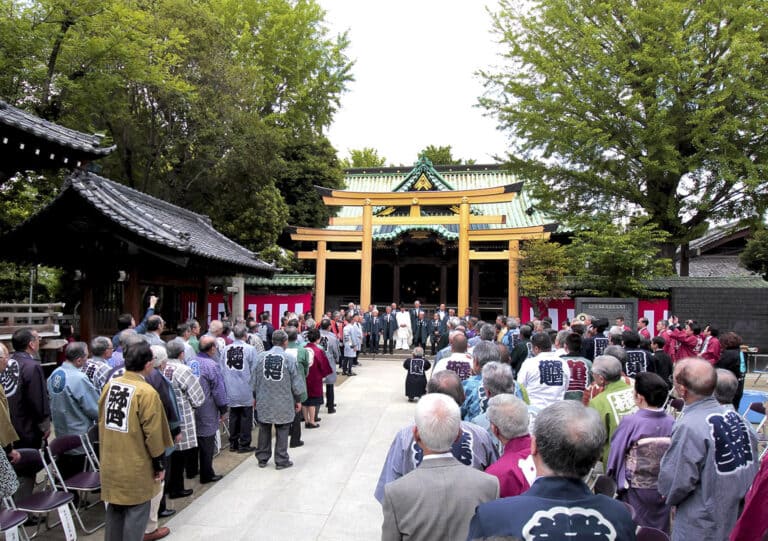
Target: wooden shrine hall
118 245
416 236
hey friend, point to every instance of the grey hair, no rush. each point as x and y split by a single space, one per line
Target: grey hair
100 345
511 323
509 414
438 419
453 322
617 352
418 351
159 355
292 332
447 382
75 350
279 337
561 336
175 348
488 332
240 331
569 438
726 387
607 366
309 322
124 337
486 352
498 378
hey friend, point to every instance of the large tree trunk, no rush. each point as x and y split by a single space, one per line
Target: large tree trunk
684 259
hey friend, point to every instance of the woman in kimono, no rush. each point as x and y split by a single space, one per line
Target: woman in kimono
8 480
638 444
416 379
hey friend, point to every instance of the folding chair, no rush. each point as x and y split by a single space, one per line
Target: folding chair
605 485
646 533
12 518
84 482
759 408
43 501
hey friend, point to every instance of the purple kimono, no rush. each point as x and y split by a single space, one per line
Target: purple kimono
634 460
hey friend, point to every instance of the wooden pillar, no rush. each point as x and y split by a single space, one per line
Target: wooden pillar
366 268
463 286
238 297
443 283
513 295
396 282
475 297
132 295
201 313
86 312
320 280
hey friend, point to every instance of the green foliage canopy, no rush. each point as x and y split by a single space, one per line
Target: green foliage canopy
755 254
660 107
610 261
363 157
543 266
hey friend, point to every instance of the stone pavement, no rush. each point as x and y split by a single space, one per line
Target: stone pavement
328 493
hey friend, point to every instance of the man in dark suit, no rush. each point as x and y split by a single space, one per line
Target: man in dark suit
389 328
566 443
414 313
437 499
374 332
421 331
366 324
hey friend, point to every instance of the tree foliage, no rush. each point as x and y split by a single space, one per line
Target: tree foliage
657 107
204 99
755 254
363 157
610 261
443 155
543 266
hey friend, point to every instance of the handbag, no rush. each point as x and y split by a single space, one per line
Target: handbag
9 483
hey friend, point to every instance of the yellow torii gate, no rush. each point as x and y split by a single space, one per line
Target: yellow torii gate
415 200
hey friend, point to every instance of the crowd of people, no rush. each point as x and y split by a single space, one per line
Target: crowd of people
542 412
158 407
511 420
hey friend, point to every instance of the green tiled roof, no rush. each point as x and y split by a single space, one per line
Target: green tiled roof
520 212
282 280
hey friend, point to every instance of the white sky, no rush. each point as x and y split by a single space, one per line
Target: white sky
414 78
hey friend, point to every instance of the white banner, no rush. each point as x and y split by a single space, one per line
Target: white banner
67 524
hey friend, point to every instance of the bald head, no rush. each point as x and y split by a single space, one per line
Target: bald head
459 344
696 377
216 327
207 344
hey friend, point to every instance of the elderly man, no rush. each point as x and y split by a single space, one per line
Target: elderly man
237 364
24 385
74 403
459 360
509 420
189 396
476 398
726 388
712 459
545 376
436 500
617 398
214 407
155 327
278 387
566 443
96 367
353 338
134 434
473 447
330 344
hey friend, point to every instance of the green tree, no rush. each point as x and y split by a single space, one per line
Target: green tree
755 254
658 106
364 157
204 99
610 261
543 266
443 156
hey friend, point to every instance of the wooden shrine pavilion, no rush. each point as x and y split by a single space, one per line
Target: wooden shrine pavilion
436 234
121 245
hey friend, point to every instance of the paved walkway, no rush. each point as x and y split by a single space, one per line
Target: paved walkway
328 494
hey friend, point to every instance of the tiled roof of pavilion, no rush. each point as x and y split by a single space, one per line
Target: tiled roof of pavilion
520 212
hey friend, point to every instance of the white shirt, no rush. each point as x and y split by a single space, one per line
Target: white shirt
545 377
461 363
